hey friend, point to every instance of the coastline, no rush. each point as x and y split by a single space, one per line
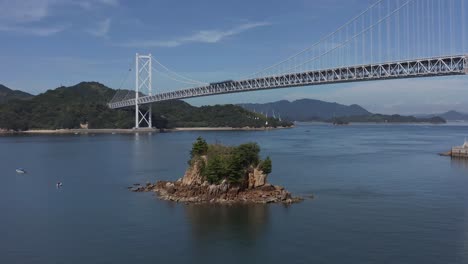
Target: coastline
177 129
86 131
132 131
380 123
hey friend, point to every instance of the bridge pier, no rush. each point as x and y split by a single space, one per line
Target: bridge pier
143 83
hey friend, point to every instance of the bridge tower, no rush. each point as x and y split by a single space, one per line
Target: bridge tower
143 85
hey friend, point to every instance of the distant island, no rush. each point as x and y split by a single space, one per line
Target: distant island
85 106
451 115
339 122
306 110
222 174
378 118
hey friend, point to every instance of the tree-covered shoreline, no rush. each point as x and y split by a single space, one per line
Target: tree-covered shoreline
86 103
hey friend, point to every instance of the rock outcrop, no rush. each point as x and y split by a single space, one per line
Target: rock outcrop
222 174
256 178
193 174
192 188
218 193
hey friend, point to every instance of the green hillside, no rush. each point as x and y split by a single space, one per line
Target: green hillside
7 94
67 107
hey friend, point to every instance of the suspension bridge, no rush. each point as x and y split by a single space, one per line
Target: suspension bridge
391 39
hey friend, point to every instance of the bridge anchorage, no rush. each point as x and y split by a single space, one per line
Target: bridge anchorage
388 40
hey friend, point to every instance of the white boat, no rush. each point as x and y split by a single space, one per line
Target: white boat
20 171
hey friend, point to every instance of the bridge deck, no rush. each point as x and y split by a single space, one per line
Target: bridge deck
437 66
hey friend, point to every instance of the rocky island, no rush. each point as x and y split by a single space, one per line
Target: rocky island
222 174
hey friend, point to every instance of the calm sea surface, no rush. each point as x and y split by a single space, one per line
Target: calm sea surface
382 195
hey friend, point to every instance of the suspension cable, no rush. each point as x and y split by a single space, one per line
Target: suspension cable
360 33
174 79
320 40
192 81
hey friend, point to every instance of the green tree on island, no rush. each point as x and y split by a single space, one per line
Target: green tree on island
199 147
265 166
227 162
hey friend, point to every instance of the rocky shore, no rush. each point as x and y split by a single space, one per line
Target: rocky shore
222 193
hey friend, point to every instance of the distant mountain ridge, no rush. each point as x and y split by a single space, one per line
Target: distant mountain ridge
7 94
451 115
307 110
304 110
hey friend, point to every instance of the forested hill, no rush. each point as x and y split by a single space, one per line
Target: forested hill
178 113
67 107
307 109
7 94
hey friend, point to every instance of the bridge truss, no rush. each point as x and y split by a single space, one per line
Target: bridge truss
429 67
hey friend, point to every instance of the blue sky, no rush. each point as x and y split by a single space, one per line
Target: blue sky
48 43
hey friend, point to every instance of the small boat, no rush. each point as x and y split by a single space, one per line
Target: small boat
20 171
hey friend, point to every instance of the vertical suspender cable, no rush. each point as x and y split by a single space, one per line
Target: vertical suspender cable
371 38
380 35
392 13
363 55
355 45
418 41
407 33
463 22
398 32
348 62
430 28
440 26
423 28
415 29
389 45
451 25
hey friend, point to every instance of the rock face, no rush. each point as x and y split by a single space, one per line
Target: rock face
256 178
192 188
193 176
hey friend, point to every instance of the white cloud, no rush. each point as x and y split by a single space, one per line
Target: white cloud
109 2
102 28
202 36
37 31
28 16
90 4
85 5
24 11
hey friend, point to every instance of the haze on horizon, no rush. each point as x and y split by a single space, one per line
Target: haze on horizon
47 43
